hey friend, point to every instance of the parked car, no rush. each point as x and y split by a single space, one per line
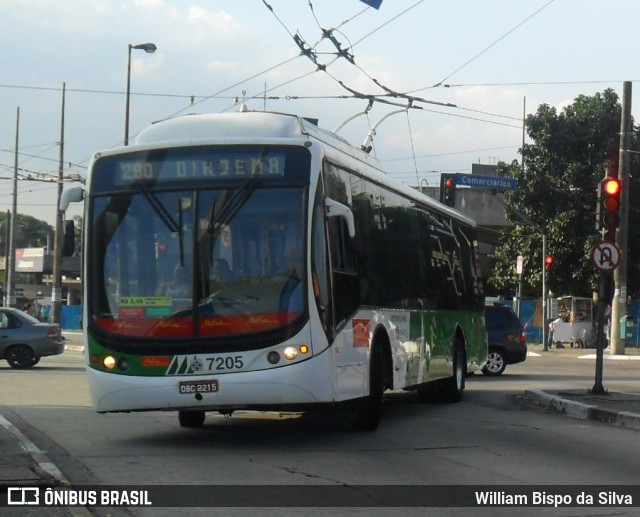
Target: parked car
505 334
24 339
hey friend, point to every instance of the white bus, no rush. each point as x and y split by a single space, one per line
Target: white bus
311 279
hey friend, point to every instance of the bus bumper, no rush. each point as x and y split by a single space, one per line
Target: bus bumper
305 383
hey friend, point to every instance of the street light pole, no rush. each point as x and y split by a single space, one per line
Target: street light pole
149 48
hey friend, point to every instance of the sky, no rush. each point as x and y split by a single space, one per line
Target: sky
473 69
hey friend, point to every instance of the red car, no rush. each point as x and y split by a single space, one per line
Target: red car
24 339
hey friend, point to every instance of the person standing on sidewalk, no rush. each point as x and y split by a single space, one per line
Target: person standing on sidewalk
551 331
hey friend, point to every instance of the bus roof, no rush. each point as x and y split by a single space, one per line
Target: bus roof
269 127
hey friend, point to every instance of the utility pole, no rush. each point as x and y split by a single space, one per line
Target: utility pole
619 303
7 240
11 264
56 291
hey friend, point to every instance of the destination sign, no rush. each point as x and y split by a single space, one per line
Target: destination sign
216 164
201 166
490 182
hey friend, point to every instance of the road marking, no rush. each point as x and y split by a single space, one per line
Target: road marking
617 357
39 457
43 462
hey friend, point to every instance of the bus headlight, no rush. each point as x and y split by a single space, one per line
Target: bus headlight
109 362
290 353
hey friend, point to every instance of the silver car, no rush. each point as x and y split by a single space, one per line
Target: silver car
24 339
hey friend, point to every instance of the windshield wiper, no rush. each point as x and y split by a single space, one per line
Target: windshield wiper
166 217
231 207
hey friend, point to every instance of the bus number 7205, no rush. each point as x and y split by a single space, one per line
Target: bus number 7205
235 362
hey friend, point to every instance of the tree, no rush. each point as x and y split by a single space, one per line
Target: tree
557 190
29 232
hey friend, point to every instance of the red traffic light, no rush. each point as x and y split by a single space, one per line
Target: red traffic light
448 189
611 187
548 262
609 206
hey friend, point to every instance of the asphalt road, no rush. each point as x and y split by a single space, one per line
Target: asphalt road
491 438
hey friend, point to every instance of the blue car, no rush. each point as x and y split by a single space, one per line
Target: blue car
505 334
24 339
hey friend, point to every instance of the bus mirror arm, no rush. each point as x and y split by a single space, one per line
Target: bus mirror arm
71 195
336 209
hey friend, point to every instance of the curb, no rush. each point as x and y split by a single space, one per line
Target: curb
46 472
582 410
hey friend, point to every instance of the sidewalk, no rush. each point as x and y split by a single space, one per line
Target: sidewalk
613 407
21 462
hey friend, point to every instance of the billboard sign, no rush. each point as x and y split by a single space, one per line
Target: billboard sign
29 260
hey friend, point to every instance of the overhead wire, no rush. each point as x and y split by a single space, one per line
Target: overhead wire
388 22
390 96
311 53
476 56
413 151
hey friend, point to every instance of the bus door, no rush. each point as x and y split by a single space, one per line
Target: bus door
350 337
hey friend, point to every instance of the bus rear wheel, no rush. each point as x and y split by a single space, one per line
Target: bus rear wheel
451 388
191 418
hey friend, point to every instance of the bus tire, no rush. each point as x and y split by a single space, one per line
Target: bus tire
453 387
191 418
369 408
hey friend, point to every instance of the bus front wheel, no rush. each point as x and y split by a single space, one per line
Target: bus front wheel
191 418
367 413
453 387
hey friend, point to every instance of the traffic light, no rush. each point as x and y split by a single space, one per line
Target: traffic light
609 207
548 262
448 189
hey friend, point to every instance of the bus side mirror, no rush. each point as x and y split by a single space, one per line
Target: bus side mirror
336 209
71 195
69 239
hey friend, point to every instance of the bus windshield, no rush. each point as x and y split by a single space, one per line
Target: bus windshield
196 261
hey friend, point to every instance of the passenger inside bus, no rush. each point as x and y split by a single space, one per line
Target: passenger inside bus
179 286
221 271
